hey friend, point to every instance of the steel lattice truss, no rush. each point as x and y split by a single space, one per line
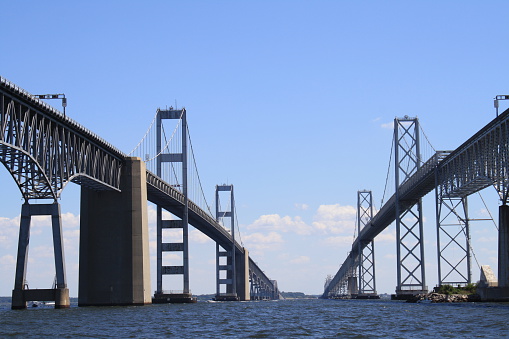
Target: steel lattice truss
409 225
480 162
453 234
44 150
367 254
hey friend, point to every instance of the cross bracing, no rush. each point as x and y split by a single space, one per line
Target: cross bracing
478 163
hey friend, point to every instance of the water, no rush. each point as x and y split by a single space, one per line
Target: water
268 319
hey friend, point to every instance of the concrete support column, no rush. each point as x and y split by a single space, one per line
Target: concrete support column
242 275
353 288
114 248
503 246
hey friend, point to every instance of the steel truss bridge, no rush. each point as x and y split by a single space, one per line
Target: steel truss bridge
481 161
44 150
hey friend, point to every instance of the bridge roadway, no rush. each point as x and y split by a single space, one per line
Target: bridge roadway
425 179
84 158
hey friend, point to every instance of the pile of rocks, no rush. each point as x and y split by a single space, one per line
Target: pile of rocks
444 298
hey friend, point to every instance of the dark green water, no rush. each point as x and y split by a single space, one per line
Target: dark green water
270 319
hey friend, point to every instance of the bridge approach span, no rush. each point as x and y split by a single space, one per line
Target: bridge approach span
44 150
479 162
163 194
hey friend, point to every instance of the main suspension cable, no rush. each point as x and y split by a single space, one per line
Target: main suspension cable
197 174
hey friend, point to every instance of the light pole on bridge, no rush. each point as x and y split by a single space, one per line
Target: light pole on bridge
497 98
54 96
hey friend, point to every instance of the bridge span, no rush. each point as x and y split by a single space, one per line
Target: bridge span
44 150
480 162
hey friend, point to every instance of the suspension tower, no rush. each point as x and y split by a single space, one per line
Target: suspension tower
367 287
230 293
184 295
411 278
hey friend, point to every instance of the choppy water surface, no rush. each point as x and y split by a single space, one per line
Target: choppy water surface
269 319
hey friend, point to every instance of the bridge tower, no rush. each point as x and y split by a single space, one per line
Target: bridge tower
411 277
454 252
184 295
367 285
229 253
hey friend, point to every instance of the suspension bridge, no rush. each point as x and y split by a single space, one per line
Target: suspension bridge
44 150
480 162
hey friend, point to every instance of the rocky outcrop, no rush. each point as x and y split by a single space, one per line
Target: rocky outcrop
444 298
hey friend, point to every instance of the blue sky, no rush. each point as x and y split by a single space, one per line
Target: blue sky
290 101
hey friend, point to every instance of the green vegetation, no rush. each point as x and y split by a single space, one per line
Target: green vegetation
449 289
297 295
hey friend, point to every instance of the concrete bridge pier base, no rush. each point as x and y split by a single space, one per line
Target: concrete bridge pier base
21 293
242 276
352 287
503 246
488 292
114 249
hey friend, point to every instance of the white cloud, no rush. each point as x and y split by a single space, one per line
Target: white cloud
274 222
7 260
301 207
386 236
335 219
260 241
198 237
9 232
42 252
388 125
339 240
492 240
301 260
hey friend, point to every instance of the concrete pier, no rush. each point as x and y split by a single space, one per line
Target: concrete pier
114 247
242 276
352 286
488 288
503 246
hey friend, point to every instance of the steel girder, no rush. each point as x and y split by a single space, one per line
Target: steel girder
367 283
44 150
